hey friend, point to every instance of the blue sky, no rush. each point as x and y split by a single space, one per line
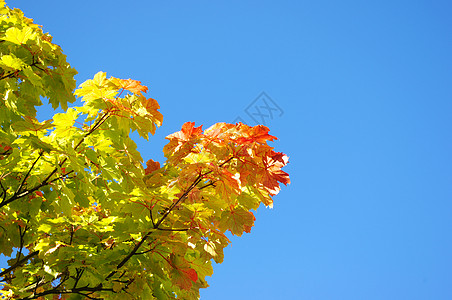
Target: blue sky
365 90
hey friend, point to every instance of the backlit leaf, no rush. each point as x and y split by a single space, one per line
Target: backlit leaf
131 85
18 36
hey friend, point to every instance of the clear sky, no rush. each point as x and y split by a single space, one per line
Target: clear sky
365 93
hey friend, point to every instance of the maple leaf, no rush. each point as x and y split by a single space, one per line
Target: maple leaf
188 132
219 132
227 184
280 157
97 88
182 274
237 220
182 142
152 106
19 36
151 166
31 124
273 173
258 134
131 85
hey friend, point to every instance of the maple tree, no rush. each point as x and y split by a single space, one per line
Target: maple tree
80 216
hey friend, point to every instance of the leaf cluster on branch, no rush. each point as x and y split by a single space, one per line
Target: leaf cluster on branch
87 219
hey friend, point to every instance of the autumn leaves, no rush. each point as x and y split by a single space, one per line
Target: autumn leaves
75 194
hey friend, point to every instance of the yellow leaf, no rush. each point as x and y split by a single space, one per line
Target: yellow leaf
11 61
66 119
17 36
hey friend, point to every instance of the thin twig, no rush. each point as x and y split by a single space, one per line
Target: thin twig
207 185
21 236
78 276
132 253
152 219
28 174
4 191
46 181
12 73
165 215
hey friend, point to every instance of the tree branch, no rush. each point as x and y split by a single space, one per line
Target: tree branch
181 198
165 215
46 180
12 73
132 253
78 276
19 263
21 236
156 226
152 219
3 192
207 185
7 152
79 291
28 173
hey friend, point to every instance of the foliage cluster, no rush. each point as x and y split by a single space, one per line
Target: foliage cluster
86 218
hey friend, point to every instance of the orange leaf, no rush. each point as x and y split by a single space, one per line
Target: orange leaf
273 173
152 107
131 85
258 134
188 131
191 274
150 104
151 166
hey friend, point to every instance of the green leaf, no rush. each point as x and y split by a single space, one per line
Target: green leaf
146 292
76 297
32 76
60 86
237 221
158 290
31 124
